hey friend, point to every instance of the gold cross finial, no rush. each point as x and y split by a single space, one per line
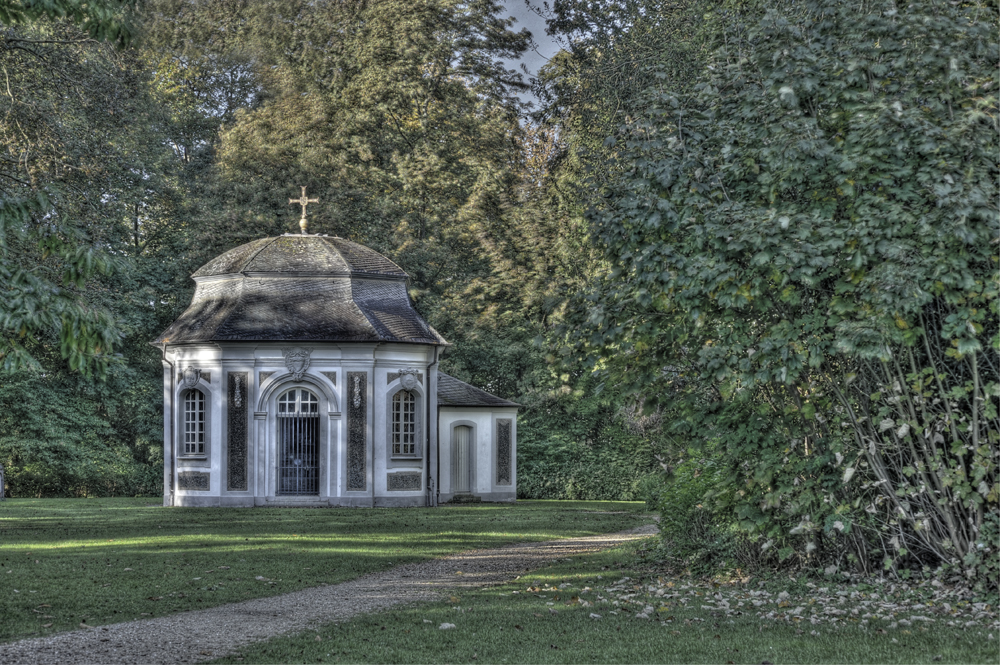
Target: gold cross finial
303 201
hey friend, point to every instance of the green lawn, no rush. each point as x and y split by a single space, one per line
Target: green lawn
541 619
64 562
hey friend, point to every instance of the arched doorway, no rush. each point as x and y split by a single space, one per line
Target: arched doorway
298 443
462 442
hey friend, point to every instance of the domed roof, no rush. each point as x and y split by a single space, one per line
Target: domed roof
300 288
301 254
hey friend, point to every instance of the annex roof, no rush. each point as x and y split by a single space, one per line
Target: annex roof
452 392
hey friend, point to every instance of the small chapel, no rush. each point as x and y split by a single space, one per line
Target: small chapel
301 375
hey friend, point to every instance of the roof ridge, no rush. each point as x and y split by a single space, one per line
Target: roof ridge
262 248
332 248
330 241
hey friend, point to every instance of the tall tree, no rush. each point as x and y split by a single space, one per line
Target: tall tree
63 169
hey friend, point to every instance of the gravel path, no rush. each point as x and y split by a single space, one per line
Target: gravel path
201 635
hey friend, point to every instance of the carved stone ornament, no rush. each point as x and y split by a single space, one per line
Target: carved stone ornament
297 361
238 390
190 377
408 378
357 391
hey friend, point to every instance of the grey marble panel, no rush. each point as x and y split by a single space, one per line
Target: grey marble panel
504 451
357 431
237 432
403 482
194 480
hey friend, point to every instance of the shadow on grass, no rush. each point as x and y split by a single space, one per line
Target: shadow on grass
64 562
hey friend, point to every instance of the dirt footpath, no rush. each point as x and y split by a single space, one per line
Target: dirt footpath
190 637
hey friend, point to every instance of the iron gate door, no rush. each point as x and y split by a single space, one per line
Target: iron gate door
298 441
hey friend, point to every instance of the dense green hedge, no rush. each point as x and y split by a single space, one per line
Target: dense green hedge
61 436
576 446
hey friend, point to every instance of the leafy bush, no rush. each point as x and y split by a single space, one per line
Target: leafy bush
612 467
58 439
807 236
577 444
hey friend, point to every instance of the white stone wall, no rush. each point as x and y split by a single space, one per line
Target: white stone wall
326 376
483 422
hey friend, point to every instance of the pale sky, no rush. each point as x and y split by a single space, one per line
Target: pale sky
546 47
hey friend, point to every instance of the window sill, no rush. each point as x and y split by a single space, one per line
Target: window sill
193 458
406 458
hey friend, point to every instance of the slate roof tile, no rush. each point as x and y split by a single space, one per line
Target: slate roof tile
452 392
300 288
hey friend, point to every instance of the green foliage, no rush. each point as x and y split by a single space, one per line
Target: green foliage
574 444
59 440
39 305
400 118
804 269
69 163
105 20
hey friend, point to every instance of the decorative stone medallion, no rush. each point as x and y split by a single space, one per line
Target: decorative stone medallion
392 376
297 361
408 378
191 377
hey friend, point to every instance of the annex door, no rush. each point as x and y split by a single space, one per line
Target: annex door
298 443
463 459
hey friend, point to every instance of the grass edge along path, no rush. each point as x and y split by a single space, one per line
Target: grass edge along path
546 617
72 564
191 636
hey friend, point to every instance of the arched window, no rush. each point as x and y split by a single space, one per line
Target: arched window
194 423
404 423
298 402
